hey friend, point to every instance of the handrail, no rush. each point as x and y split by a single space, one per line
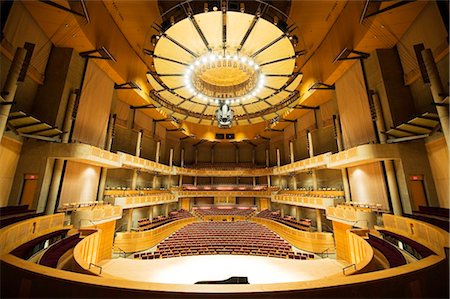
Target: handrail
347 267
122 252
367 222
79 222
410 272
99 267
321 254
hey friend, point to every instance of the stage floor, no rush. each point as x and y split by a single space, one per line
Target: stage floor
190 269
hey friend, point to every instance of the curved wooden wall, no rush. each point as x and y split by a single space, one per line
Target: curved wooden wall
12 236
137 241
309 241
414 279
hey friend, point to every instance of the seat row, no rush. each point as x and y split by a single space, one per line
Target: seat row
225 251
147 224
224 166
302 224
237 238
209 211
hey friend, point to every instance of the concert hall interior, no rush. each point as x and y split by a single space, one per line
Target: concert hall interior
224 149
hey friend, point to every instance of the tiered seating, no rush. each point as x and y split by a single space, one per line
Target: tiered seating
237 238
147 224
223 187
302 224
26 250
72 206
416 249
119 192
394 257
320 193
224 211
51 257
224 166
13 214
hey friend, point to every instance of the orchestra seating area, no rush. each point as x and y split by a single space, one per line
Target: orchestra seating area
13 214
224 211
238 238
302 224
147 224
224 166
392 254
223 187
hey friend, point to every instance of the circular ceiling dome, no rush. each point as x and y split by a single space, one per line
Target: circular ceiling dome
224 77
212 57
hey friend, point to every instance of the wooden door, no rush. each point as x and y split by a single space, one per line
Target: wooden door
418 194
28 190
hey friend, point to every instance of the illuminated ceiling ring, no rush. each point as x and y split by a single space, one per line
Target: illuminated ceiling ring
232 79
203 59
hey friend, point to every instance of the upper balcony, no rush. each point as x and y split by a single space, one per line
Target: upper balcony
318 199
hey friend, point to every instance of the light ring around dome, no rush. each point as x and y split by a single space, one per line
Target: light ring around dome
194 71
213 77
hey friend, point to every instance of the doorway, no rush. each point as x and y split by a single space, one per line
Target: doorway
28 190
418 192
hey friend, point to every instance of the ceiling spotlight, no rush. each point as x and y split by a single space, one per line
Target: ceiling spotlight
256 66
294 40
227 101
154 39
235 57
253 94
242 7
197 63
204 60
251 63
216 101
244 59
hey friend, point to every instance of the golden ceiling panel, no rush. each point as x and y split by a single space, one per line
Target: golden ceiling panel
191 60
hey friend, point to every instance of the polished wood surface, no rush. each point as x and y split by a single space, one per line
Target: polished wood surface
316 242
54 275
16 234
137 241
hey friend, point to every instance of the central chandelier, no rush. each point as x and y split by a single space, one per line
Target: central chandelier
224 78
226 66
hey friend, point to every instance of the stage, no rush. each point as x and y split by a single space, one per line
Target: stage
190 269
